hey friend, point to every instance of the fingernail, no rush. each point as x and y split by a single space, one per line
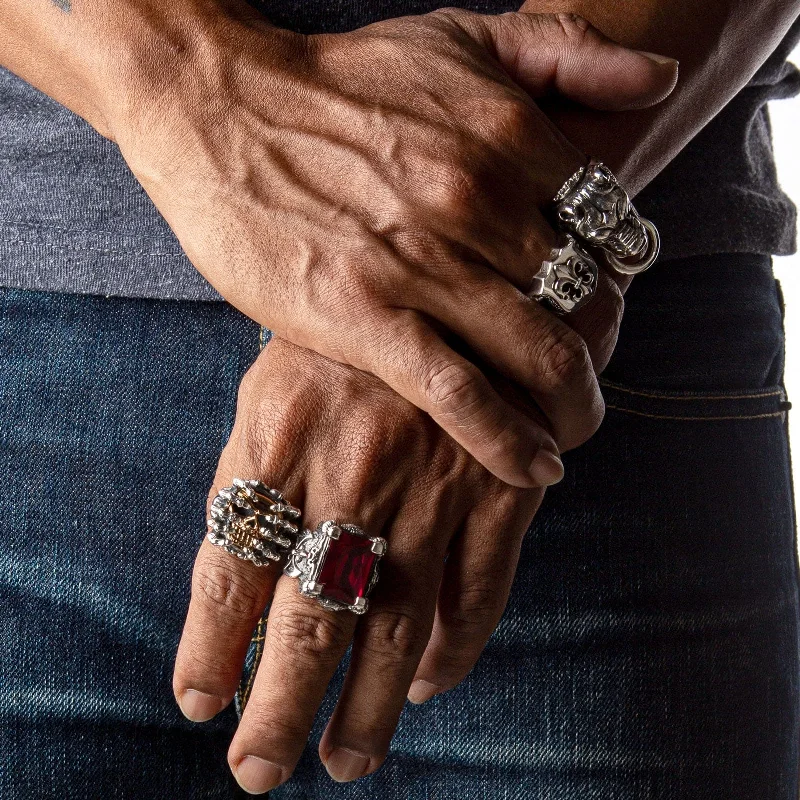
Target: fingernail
199 706
659 59
346 765
256 776
421 691
546 469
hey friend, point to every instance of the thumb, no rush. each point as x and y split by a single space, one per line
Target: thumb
564 53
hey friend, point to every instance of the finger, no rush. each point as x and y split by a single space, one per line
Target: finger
598 321
228 597
228 594
303 646
474 591
516 250
526 343
410 356
566 54
389 642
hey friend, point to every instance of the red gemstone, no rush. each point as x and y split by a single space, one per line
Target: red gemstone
347 568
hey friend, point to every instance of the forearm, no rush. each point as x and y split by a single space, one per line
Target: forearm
100 57
720 44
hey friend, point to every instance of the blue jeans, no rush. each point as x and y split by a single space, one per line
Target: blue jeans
650 646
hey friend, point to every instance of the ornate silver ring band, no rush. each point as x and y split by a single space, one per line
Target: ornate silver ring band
337 565
253 522
595 209
567 279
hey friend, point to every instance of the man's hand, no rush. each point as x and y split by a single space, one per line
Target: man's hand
370 195
342 445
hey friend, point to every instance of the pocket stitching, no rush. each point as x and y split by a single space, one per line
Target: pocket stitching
694 419
695 397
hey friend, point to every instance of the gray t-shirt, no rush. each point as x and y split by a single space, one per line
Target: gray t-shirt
73 218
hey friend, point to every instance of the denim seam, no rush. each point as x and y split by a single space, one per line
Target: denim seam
694 419
258 639
697 397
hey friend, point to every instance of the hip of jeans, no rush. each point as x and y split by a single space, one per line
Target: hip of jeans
710 324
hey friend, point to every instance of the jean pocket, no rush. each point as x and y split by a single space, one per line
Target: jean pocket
695 406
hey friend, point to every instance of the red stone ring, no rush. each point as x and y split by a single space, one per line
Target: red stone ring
337 565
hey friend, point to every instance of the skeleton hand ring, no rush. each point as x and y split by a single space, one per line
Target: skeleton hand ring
252 522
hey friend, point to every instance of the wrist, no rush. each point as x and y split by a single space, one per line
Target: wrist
158 59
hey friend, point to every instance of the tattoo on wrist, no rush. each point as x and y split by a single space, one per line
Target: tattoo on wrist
64 5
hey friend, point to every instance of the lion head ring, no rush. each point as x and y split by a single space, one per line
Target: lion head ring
596 210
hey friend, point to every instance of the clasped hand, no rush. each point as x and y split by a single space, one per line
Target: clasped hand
365 194
378 199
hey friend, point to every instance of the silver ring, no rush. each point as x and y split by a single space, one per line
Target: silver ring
594 208
253 522
567 280
646 260
337 565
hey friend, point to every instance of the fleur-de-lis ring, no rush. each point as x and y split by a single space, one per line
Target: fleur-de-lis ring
567 279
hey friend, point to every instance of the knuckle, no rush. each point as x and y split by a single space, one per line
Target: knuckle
393 633
200 661
502 124
268 732
452 389
448 466
572 27
475 610
274 728
354 277
563 359
512 121
270 430
310 635
346 275
451 16
263 438
248 382
449 12
224 589
457 192
258 429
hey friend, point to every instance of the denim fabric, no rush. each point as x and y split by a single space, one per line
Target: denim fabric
112 416
650 646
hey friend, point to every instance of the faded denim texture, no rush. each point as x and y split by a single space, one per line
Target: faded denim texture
650 647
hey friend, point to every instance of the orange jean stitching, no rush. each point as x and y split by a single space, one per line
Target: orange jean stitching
694 419
658 396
